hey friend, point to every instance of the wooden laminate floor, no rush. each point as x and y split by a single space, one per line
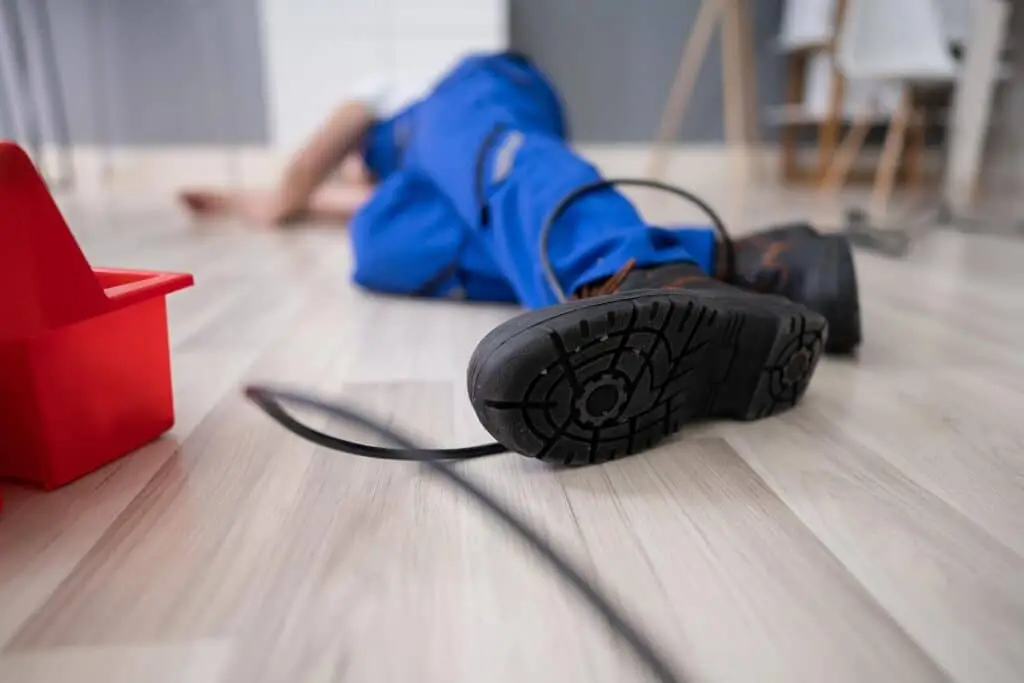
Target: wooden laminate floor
876 533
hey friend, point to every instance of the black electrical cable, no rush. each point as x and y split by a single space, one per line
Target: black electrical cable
381 453
270 400
588 188
281 416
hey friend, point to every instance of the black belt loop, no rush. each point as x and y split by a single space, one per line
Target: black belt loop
481 160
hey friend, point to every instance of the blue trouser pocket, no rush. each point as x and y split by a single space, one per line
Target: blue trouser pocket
408 240
405 237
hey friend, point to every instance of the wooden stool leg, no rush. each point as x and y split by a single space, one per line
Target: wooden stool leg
892 151
827 207
686 76
839 170
914 173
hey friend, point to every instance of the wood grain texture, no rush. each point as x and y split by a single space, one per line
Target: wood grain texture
873 533
195 662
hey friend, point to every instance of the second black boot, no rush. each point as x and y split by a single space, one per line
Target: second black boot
814 269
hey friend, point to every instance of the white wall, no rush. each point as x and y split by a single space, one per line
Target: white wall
316 49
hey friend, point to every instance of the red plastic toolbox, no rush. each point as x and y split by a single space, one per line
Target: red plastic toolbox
85 374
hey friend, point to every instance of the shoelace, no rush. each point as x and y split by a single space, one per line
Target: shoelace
271 401
609 286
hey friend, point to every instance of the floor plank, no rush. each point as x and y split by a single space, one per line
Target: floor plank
872 533
953 588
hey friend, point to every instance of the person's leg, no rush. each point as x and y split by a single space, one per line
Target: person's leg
527 177
489 137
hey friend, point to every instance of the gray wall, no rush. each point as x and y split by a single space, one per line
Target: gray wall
614 62
141 72
154 72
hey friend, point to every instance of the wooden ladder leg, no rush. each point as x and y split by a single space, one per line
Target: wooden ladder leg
733 90
682 87
735 105
752 121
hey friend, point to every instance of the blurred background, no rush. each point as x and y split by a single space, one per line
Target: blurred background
117 94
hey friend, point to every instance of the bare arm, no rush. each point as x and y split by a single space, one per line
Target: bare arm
321 155
299 193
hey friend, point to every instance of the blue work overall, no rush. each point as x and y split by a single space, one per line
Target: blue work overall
468 176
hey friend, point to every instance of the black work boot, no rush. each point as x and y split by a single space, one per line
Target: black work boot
632 359
797 262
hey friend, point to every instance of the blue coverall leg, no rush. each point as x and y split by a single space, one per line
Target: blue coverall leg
408 238
473 171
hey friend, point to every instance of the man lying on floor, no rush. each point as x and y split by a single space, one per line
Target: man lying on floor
634 329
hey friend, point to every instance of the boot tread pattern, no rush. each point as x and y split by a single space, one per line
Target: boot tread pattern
620 377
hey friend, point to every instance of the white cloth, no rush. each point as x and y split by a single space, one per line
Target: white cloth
387 94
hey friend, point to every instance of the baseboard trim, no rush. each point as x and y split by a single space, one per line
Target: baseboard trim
149 170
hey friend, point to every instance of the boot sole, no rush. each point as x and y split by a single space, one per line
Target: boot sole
590 381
